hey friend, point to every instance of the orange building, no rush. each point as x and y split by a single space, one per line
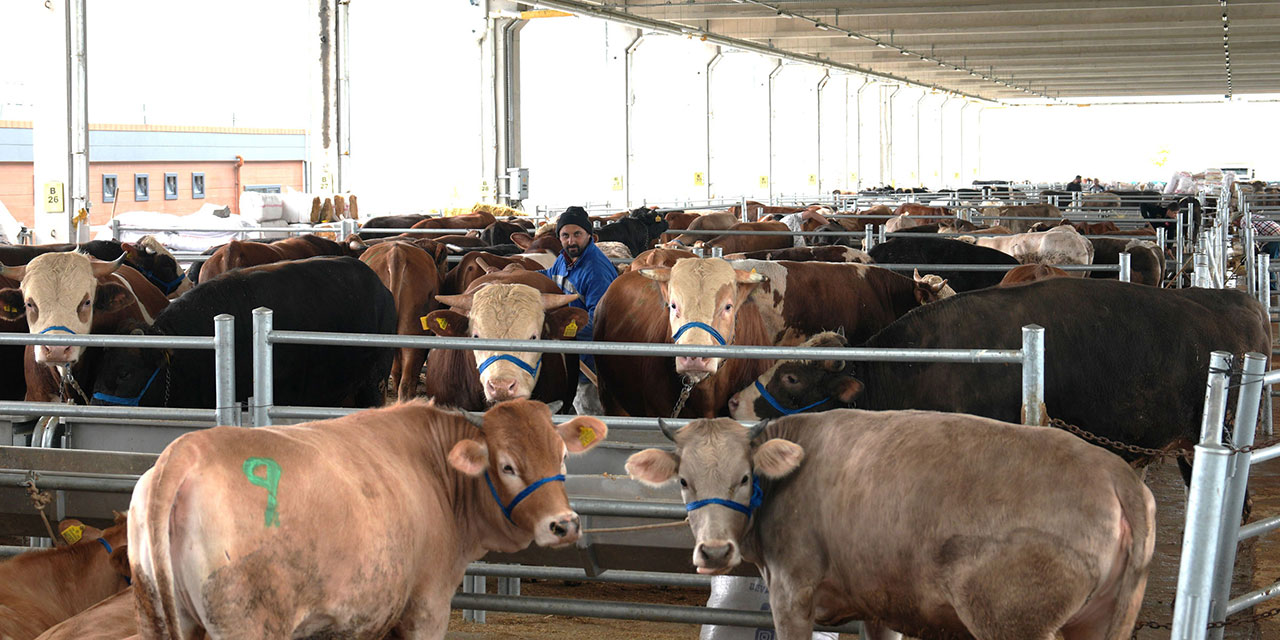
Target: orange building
160 168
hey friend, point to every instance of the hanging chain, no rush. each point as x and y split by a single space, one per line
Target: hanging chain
1146 451
1149 624
65 378
684 396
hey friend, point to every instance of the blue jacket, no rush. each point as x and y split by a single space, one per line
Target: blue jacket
589 276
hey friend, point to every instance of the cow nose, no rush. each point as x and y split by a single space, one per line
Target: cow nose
715 554
693 364
56 353
733 404
501 388
565 527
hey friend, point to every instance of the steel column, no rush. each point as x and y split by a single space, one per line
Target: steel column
626 124
1033 375
772 75
224 355
711 67
1126 270
263 368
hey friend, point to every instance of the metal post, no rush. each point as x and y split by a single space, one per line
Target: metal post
224 371
1246 424
772 75
627 100
1200 276
1178 247
1126 272
115 224
711 67
880 229
1204 507
869 240
263 368
743 204
1033 375
1264 290
474 584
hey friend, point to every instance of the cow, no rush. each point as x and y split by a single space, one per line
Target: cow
157 264
365 527
940 251
935 525
718 221
1146 262
1059 245
411 275
508 304
830 253
1096 332
904 222
1015 216
745 243
709 301
459 278
110 619
473 220
756 211
39 589
638 230
368 227
660 257
1031 273
915 209
500 232
238 254
957 225
335 294
677 221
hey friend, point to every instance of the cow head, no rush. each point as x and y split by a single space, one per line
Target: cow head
522 454
510 312
132 376
154 261
796 386
931 288
58 294
702 297
719 468
655 223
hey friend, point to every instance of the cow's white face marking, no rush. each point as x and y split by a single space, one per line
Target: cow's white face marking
512 312
58 293
706 291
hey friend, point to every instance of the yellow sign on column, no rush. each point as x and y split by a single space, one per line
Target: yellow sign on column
764 182
813 179
53 198
617 183
699 180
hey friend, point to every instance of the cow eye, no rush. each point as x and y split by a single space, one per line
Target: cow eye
790 379
508 469
728 307
683 484
745 479
673 306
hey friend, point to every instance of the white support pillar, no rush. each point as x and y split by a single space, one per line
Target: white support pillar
329 152
919 164
858 103
60 133
630 101
963 176
772 76
822 83
707 176
500 69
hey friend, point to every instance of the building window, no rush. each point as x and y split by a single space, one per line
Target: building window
197 185
170 186
141 187
109 185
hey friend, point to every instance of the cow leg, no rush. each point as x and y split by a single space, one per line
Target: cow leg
410 365
425 618
873 631
792 606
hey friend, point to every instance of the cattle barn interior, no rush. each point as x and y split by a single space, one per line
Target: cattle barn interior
573 319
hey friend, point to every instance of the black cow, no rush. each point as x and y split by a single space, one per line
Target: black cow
388 222
926 250
637 231
1123 361
160 269
1146 262
500 232
316 294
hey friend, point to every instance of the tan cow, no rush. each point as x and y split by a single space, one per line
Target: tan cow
936 525
1057 246
111 619
1014 216
355 527
58 293
39 589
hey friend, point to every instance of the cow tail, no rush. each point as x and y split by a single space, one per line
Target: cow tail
150 555
1138 510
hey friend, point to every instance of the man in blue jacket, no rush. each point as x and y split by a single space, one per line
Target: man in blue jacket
581 268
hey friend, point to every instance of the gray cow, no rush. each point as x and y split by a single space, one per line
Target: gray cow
937 525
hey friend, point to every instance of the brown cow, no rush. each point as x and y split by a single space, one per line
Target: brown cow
356 527
706 222
803 254
111 619
241 253
743 244
747 302
39 589
410 274
756 211
459 278
917 209
473 220
1031 273
508 304
660 257
677 221
882 523
1013 216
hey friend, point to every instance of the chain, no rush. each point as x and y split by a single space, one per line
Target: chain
1146 451
684 396
64 372
1212 625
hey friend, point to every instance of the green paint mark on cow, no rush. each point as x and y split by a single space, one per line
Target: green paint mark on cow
271 482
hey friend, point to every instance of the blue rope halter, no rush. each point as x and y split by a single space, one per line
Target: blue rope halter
764 393
130 402
166 287
58 327
107 545
508 508
757 497
699 325
533 371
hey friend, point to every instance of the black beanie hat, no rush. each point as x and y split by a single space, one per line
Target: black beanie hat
574 215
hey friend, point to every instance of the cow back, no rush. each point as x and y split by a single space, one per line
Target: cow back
926 250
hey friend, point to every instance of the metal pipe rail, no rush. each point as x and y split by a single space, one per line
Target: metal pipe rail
226 411
617 576
989 267
626 611
62 480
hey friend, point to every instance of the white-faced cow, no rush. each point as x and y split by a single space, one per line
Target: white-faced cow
936 525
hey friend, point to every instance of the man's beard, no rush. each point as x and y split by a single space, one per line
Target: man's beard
573 250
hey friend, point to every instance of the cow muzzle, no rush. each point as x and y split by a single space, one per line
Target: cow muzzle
502 389
742 404
716 556
558 530
57 354
696 367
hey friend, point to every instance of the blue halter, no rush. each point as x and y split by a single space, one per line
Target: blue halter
131 402
764 393
757 497
107 545
699 325
533 371
58 327
166 287
508 508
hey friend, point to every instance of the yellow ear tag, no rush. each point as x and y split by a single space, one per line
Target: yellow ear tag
571 329
586 435
10 309
425 326
753 270
73 533
657 218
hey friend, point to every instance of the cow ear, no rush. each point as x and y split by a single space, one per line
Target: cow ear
446 323
777 458
112 296
564 323
556 300
469 457
462 301
846 389
120 561
521 239
748 277
653 467
12 306
582 433
659 274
